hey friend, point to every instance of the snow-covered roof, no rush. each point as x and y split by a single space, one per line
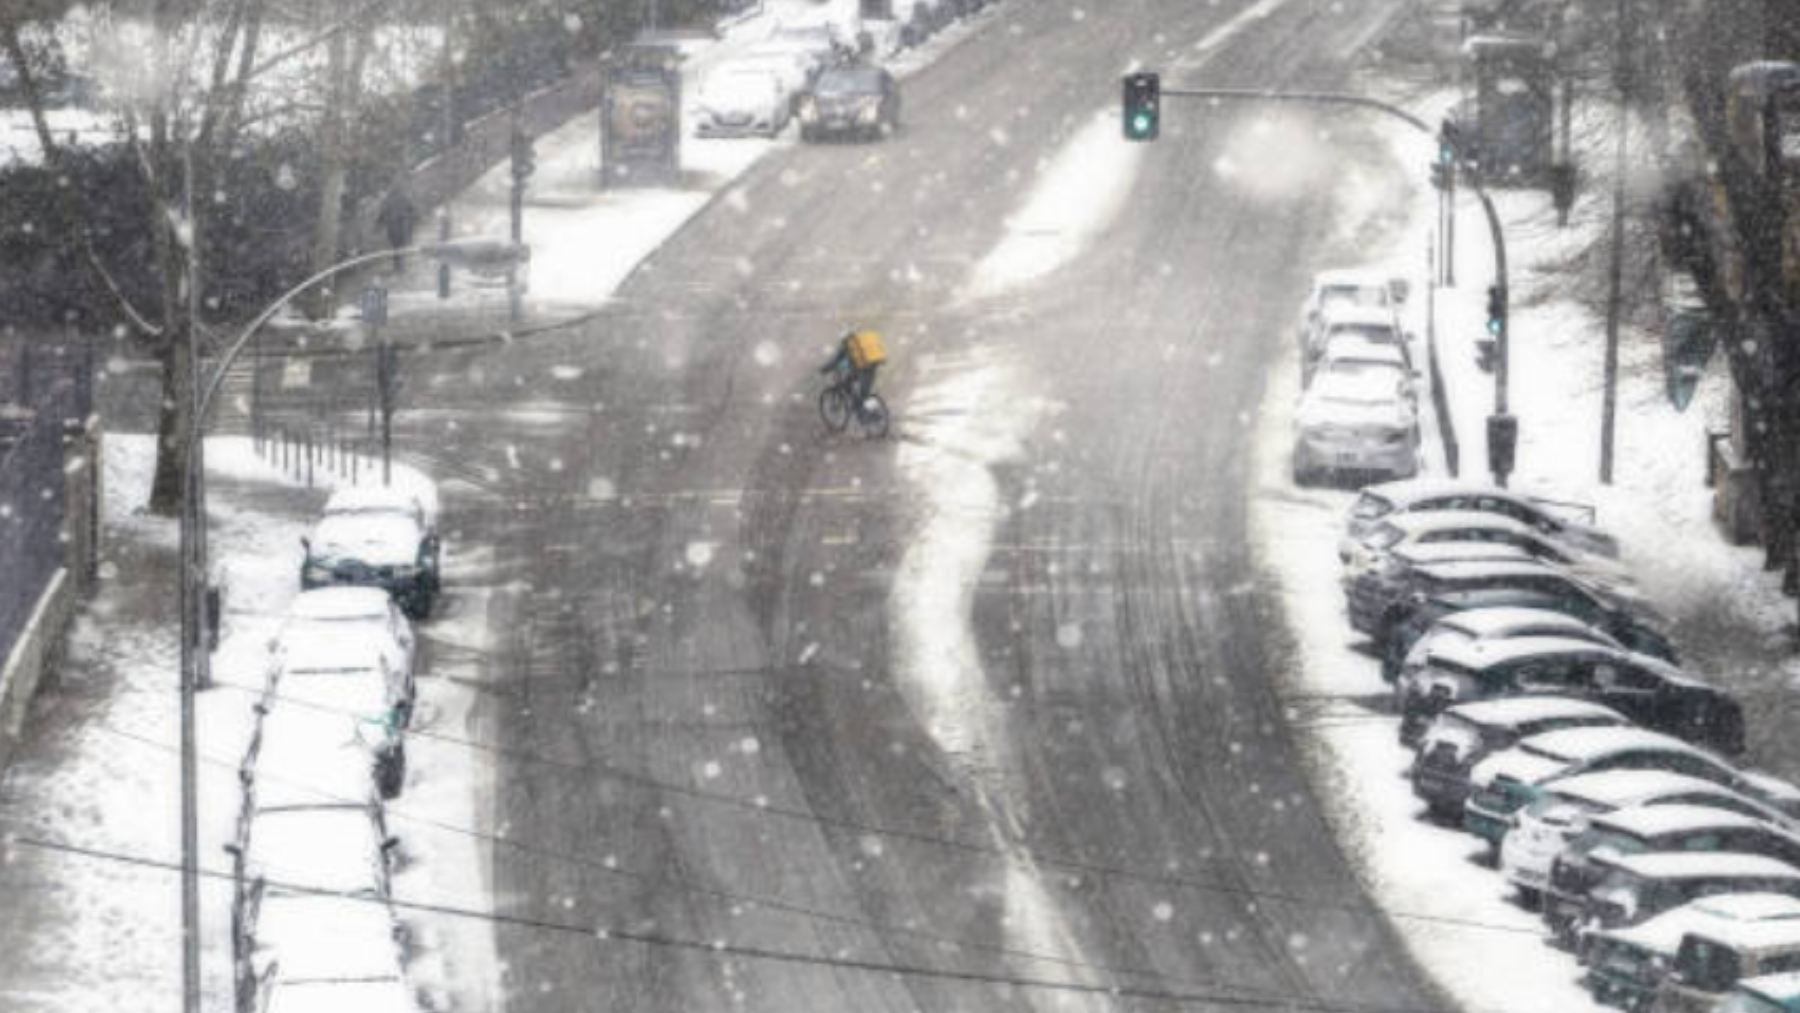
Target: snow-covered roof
1512 711
362 499
1358 348
1479 654
356 649
312 937
311 757
1410 490
392 996
1419 522
1617 789
379 539
1348 277
1779 988
1426 553
1507 621
1483 569
361 692
1602 740
340 603
1759 935
1657 820
1663 933
1700 864
325 847
1357 315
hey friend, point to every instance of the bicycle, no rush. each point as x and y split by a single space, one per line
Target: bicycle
837 406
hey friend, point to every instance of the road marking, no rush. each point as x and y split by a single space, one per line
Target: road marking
1216 39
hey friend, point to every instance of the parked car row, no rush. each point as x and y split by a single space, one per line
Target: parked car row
313 923
1549 718
1358 413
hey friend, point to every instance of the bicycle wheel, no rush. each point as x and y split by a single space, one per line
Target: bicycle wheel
834 408
874 418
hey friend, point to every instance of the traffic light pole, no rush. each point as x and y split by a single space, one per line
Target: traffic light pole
1502 427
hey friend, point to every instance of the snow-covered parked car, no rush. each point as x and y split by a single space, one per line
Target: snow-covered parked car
1435 526
742 100
307 754
1352 324
320 847
1724 821
375 540
1635 888
341 614
1468 733
1563 809
303 944
1625 966
1533 586
1387 581
357 700
1378 502
1339 288
1512 779
1355 424
1768 993
1354 353
1505 622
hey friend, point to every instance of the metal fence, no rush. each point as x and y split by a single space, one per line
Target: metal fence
32 493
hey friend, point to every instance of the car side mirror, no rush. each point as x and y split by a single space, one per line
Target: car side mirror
388 844
233 849
306 543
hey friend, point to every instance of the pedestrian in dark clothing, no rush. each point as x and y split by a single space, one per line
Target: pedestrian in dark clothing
397 218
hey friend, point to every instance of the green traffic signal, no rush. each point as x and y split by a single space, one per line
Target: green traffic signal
1143 101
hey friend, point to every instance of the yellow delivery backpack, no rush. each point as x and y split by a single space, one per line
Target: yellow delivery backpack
867 350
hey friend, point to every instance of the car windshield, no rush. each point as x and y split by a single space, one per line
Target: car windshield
1353 295
1595 838
835 83
1368 332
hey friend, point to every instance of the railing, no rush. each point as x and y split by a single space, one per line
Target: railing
32 492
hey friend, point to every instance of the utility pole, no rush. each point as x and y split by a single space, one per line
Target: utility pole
193 647
1615 265
449 142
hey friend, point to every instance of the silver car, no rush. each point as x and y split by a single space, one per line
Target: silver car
1356 424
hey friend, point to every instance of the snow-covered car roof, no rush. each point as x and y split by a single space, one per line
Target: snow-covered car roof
1403 492
377 499
1657 820
1699 865
1420 522
1519 710
335 848
1663 933
308 756
1480 654
392 996
381 539
1346 277
354 649
1479 569
1620 789
314 937
1603 740
1777 988
341 603
1359 349
362 692
1348 314
1424 553
1508 621
1763 934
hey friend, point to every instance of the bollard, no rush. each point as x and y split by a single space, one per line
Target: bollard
355 467
309 459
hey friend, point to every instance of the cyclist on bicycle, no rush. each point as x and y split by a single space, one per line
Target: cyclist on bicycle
859 356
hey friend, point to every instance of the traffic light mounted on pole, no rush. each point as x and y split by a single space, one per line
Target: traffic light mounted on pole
1496 310
1142 106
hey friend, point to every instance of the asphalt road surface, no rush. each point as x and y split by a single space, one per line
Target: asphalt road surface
945 721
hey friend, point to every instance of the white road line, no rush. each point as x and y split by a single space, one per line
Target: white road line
1215 40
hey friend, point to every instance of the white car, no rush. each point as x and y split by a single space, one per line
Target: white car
357 698
1504 623
1557 520
1337 288
740 100
1355 423
365 500
1438 527
342 613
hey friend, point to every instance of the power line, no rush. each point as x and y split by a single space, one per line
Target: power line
759 807
722 948
773 904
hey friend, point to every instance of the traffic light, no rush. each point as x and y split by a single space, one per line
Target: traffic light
524 158
1143 106
1496 310
1440 175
